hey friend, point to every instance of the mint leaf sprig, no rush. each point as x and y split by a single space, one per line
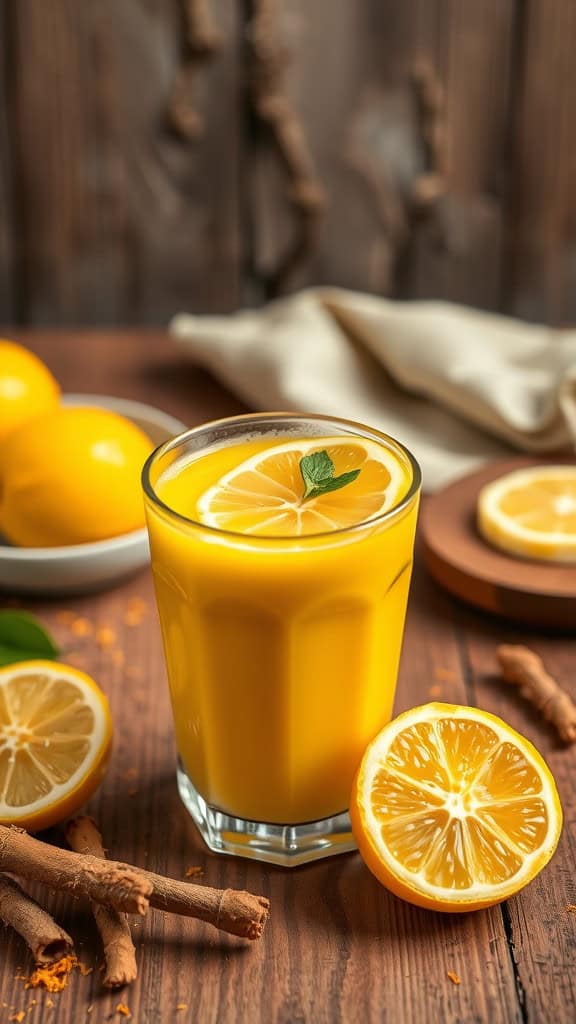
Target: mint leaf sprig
318 475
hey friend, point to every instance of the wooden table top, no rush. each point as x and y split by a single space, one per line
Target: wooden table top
338 947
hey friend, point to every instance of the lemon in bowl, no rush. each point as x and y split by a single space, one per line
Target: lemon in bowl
27 388
72 476
81 567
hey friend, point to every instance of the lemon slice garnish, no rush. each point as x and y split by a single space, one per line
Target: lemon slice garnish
263 495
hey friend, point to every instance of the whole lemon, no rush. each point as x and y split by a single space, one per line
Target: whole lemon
27 388
70 477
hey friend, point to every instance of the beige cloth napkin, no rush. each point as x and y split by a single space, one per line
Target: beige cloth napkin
457 386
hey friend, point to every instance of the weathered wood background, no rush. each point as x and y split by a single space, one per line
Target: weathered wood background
440 131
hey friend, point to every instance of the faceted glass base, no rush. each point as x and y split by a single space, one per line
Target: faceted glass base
287 845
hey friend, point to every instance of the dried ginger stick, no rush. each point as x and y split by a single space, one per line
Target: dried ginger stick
112 924
102 881
131 889
525 669
231 910
47 941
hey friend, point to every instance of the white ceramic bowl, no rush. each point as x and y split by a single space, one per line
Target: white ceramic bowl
81 568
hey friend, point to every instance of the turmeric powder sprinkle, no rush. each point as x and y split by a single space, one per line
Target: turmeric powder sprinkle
81 627
105 637
445 675
135 612
193 872
65 618
54 977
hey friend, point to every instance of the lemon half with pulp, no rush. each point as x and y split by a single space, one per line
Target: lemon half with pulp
453 810
55 736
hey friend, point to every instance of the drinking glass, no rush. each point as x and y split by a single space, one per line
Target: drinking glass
282 652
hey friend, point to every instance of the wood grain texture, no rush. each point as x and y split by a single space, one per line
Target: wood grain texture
441 131
8 304
360 77
542 929
338 948
120 219
540 271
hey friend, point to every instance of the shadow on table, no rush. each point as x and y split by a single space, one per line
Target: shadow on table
341 896
337 896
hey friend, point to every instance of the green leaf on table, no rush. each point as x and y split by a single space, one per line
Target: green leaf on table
318 475
23 638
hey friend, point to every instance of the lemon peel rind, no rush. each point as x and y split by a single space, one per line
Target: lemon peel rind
99 739
414 884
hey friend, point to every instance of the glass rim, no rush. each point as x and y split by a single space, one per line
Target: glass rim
359 429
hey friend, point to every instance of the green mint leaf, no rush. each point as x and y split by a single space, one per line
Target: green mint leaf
23 638
333 484
316 467
318 475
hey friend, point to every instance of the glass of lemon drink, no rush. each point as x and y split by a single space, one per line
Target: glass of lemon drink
281 552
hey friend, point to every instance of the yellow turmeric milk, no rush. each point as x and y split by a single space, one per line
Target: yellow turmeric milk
282 615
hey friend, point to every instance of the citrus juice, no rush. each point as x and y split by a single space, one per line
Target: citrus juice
282 615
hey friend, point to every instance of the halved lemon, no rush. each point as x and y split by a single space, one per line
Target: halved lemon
532 513
453 810
55 734
264 494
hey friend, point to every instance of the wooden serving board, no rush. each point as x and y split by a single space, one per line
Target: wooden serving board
469 567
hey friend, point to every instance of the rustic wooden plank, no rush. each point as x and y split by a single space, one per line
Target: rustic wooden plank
121 219
8 304
338 948
541 237
419 947
359 77
456 251
541 929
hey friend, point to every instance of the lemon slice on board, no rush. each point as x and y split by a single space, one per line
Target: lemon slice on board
55 733
453 810
263 495
532 513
